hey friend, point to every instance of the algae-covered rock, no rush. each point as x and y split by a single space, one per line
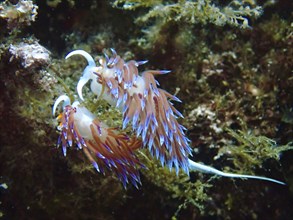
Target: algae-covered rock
30 55
231 65
17 15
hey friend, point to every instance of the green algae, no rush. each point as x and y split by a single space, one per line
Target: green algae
204 11
251 151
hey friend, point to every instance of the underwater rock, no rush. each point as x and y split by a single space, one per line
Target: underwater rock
30 55
23 13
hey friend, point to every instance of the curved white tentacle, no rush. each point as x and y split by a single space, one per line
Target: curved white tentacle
193 166
86 55
87 73
62 98
82 81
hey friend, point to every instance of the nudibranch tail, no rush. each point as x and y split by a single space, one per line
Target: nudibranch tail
103 146
193 166
144 105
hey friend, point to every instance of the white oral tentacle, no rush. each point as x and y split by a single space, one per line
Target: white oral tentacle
62 98
82 81
86 55
87 73
207 169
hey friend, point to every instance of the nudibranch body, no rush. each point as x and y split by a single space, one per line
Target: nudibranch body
147 107
103 146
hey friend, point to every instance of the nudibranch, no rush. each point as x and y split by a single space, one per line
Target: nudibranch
103 146
147 107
